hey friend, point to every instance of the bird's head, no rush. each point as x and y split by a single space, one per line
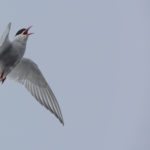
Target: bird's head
22 35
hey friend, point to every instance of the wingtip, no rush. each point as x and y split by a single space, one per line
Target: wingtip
9 25
62 122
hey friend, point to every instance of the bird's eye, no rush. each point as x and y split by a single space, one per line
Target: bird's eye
25 32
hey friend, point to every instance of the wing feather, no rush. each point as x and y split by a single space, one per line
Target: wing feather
28 74
4 41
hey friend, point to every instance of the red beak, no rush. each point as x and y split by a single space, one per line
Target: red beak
26 31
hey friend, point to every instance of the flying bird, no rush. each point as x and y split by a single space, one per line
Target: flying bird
23 70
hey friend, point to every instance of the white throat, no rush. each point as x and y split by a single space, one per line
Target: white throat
22 39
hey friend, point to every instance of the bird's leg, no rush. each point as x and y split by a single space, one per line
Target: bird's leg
1 77
2 74
3 80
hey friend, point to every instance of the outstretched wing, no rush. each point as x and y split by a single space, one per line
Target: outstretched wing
28 74
4 38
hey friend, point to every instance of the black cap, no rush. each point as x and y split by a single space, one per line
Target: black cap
20 31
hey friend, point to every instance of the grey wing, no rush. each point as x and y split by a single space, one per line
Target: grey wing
5 37
28 74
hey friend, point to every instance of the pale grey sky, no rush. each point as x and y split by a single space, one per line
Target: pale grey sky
95 55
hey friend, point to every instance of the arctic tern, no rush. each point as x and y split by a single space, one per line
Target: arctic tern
25 71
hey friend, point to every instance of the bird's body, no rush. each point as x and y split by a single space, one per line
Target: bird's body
25 71
10 57
10 52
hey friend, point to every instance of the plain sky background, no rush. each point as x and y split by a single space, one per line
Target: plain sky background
95 56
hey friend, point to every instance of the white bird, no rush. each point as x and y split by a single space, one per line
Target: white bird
25 71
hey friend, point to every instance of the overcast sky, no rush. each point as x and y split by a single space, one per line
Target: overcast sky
95 56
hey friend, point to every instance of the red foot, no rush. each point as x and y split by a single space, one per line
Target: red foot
2 74
3 80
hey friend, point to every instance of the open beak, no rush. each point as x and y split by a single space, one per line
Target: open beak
26 31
